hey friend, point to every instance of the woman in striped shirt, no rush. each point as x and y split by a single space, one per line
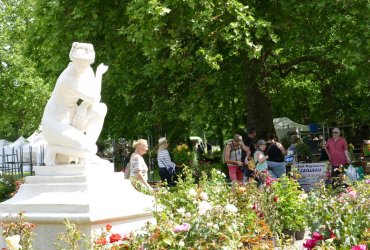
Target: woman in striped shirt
166 166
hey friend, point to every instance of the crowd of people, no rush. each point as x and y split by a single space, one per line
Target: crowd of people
271 156
245 159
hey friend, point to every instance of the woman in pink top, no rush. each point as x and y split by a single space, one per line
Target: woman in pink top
337 150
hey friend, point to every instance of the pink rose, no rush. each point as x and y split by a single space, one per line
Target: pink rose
268 181
101 241
359 247
352 194
185 227
317 236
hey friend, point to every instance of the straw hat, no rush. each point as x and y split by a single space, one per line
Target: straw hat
162 140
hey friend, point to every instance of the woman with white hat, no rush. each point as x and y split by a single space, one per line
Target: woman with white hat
166 166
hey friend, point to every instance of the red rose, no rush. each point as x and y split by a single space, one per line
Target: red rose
332 234
101 241
114 238
108 227
125 237
310 243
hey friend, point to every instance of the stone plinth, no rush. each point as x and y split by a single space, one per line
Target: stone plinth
90 196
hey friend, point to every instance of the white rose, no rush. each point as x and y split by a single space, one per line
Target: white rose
204 196
303 196
231 208
181 210
12 242
188 215
181 243
159 207
192 192
204 206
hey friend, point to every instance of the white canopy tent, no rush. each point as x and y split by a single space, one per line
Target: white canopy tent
283 125
24 150
4 143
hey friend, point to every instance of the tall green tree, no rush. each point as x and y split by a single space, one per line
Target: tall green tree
178 66
23 92
255 47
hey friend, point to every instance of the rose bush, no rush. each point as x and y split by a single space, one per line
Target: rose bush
207 215
9 185
344 213
21 228
283 205
202 216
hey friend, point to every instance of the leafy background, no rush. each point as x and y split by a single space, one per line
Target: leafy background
180 67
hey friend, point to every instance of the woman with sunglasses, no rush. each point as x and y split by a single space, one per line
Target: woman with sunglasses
337 150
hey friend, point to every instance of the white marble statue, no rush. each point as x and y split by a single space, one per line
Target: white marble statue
74 116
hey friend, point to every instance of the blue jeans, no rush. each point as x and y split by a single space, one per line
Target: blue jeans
276 169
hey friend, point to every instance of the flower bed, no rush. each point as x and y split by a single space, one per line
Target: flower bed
208 215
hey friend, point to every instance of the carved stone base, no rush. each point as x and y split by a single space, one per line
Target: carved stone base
90 196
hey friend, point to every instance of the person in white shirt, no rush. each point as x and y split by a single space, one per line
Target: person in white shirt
138 167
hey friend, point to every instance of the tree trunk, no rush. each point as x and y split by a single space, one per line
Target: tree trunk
258 101
259 111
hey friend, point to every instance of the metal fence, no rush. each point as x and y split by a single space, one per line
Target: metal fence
19 161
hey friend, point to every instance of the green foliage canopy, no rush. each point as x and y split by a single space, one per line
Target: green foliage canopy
183 66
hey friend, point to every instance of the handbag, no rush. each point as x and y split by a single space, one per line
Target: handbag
251 164
171 171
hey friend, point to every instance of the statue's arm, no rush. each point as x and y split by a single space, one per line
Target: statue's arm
86 91
99 74
90 92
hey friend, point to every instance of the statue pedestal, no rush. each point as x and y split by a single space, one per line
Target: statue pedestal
90 196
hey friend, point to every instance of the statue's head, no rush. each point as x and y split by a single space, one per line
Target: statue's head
82 53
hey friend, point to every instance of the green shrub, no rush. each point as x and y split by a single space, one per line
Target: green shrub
284 205
7 187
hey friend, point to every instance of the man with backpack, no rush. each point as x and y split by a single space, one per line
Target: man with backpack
233 159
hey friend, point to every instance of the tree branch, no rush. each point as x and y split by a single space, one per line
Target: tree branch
287 67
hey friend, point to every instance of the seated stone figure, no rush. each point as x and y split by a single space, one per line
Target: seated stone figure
74 116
